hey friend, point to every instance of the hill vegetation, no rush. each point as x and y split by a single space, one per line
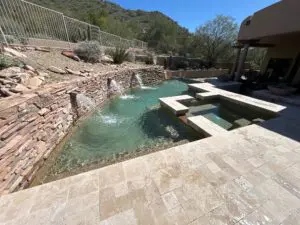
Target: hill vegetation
211 42
160 31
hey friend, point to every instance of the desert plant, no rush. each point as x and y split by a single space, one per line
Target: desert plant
89 51
7 61
149 59
118 55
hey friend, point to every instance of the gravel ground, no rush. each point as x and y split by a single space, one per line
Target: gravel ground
43 60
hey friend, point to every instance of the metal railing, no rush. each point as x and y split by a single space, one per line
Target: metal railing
22 22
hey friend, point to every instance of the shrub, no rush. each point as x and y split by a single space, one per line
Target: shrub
150 59
89 51
6 61
118 55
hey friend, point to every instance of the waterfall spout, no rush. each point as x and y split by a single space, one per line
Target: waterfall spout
114 87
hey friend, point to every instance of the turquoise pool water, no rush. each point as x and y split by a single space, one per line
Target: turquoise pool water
127 124
227 115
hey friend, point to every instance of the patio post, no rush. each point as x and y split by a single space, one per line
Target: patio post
235 64
241 63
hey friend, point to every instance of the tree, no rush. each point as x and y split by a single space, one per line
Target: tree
213 40
255 57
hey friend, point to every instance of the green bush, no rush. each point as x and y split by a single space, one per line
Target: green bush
89 51
150 59
6 62
119 55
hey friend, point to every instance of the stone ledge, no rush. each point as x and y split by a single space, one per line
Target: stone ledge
173 103
205 126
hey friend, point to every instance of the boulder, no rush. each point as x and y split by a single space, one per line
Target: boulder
42 49
71 55
23 78
20 88
34 82
43 111
30 68
6 93
10 72
107 58
56 70
14 52
42 74
78 73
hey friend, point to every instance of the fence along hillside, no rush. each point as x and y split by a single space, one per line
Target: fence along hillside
22 22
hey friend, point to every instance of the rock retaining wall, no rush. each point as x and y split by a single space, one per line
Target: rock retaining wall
33 124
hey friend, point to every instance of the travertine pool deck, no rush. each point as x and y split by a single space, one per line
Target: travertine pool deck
247 176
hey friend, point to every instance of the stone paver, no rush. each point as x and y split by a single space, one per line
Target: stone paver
246 176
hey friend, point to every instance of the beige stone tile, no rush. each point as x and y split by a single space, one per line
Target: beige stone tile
121 189
135 168
220 216
255 177
256 161
170 200
111 175
293 218
260 216
243 183
124 218
106 194
237 207
240 165
204 196
168 178
48 200
213 167
254 197
17 205
86 202
203 220
154 162
144 214
280 202
178 216
85 185
229 188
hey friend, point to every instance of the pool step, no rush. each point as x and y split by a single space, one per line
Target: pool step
207 95
173 104
205 126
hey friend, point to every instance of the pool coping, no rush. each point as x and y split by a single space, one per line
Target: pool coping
208 92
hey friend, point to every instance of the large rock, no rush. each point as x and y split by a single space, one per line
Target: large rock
14 52
6 93
78 73
11 71
71 55
56 70
24 78
34 82
20 88
30 68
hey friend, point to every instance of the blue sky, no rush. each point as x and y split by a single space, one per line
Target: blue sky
192 13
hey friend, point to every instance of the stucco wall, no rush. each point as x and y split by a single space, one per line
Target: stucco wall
285 47
279 18
33 124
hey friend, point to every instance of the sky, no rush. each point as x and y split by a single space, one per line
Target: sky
192 13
